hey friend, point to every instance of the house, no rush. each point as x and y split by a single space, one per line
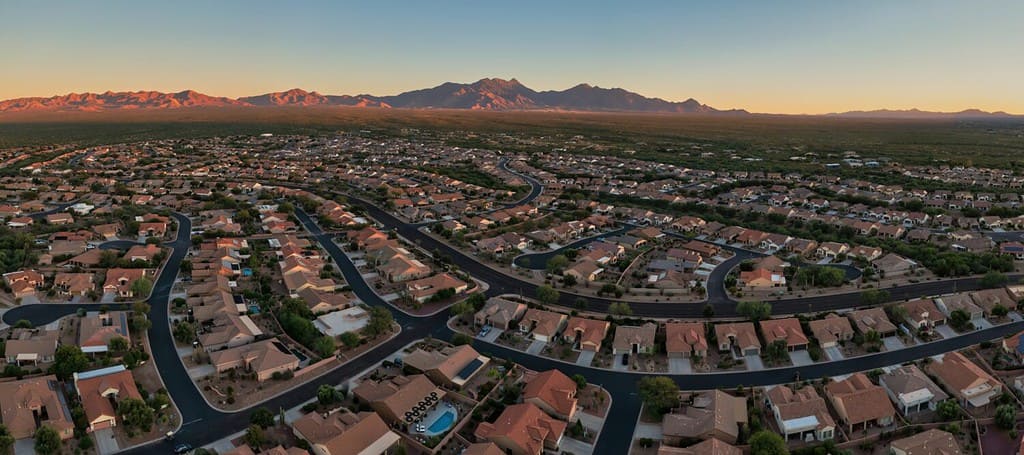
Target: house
451 366
867 253
893 265
1015 249
634 340
325 302
145 253
712 414
424 289
101 390
911 390
929 442
737 336
27 404
483 448
393 398
335 323
923 315
860 402
96 330
988 299
120 282
832 249
969 383
760 278
263 358
959 302
872 319
586 334
500 313
341 432
71 284
23 283
523 429
402 268
1011 345
710 446
685 339
786 330
831 330
801 413
60 218
31 347
802 247
584 270
553 392
542 325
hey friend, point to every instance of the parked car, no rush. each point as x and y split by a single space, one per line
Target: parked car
484 331
625 359
182 448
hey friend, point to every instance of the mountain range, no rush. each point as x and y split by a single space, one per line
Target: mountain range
490 94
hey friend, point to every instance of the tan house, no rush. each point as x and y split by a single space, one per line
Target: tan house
685 339
451 366
500 313
801 413
712 414
740 336
586 334
930 442
872 319
340 432
264 358
23 283
120 281
893 265
424 289
787 330
635 340
393 398
860 402
101 390
71 284
31 347
923 315
96 330
523 429
972 386
831 330
542 325
28 404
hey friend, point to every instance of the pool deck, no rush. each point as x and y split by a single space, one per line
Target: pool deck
434 414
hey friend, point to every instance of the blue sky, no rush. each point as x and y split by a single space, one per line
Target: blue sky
789 57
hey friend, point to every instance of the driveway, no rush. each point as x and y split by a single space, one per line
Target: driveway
585 358
105 442
753 362
617 363
570 445
893 343
679 365
800 358
492 335
25 446
535 347
648 430
1015 316
945 330
981 323
201 371
833 353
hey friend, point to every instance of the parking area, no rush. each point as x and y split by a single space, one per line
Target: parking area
800 358
679 365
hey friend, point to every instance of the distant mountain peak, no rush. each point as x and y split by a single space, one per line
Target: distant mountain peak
915 113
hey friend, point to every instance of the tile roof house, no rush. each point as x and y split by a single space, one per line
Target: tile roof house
787 330
737 335
685 339
119 281
831 330
500 313
264 358
27 404
930 442
96 330
424 289
893 265
911 390
31 347
523 429
71 284
586 334
635 340
706 415
393 398
860 402
872 319
801 412
402 268
963 302
340 432
988 299
970 384
542 325
451 366
761 278
23 283
711 446
483 448
553 392
923 315
101 390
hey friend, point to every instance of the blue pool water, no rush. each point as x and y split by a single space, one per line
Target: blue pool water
442 424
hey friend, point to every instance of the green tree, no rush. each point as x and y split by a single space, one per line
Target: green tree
47 441
557 263
755 311
324 346
379 323
263 417
547 294
776 350
709 310
326 395
948 410
767 443
135 413
254 437
142 287
117 344
1000 311
1006 416
874 297
659 393
580 380
68 359
349 339
185 332
620 309
459 339
6 441
461 308
993 279
959 320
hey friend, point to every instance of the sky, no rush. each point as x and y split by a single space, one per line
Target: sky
779 56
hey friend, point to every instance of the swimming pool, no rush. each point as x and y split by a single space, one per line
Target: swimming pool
442 423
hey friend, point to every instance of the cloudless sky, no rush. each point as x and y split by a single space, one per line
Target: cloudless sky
764 56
